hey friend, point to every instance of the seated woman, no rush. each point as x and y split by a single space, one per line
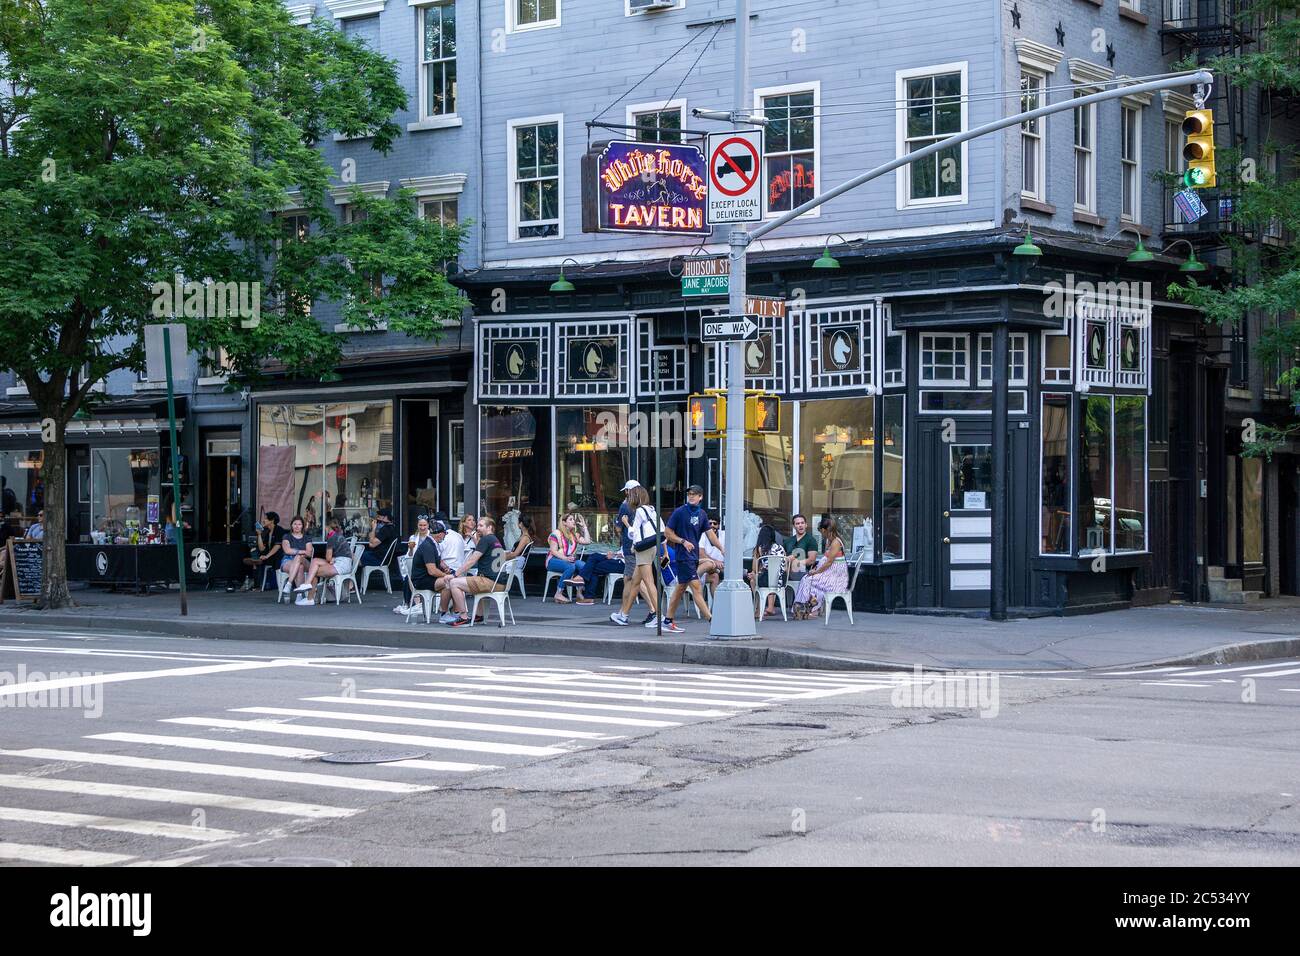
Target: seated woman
562 559
527 535
297 553
831 574
421 532
768 566
337 560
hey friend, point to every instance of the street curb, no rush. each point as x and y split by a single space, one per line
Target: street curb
490 640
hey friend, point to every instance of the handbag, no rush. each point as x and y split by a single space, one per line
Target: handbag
642 540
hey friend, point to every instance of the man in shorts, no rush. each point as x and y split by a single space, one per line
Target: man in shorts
686 526
476 575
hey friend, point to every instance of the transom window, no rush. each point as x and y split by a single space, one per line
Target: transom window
791 149
934 111
537 180
1017 359
944 359
438 59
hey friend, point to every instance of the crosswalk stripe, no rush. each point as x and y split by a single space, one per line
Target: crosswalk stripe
427 722
27 853
60 818
462 695
219 770
614 683
193 798
203 743
344 733
45 686
821 677
602 695
1196 671
1172 683
743 688
497 711
1283 673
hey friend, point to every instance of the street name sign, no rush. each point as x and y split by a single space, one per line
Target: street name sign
728 328
735 168
705 275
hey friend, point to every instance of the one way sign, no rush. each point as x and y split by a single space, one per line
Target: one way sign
728 328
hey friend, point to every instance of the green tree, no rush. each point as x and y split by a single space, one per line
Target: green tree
142 140
1264 277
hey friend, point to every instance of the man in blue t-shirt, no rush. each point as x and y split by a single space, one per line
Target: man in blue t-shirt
686 526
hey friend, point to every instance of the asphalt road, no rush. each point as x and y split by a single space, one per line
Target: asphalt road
125 749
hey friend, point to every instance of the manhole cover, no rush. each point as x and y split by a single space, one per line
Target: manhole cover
285 861
373 756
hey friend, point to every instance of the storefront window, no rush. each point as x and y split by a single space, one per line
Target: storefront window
1130 473
769 480
515 464
21 486
1094 474
670 480
837 472
593 462
322 461
891 517
124 483
1054 522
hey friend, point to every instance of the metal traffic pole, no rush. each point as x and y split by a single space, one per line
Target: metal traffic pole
733 607
176 472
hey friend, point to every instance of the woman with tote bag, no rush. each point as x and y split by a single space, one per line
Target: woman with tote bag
646 532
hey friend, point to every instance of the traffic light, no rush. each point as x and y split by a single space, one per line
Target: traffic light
708 413
1198 127
762 414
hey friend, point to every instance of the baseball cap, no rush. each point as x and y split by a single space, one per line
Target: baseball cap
695 490
437 528
632 483
385 512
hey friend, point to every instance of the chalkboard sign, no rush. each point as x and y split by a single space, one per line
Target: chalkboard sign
26 565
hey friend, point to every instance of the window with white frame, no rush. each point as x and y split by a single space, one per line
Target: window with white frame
1017 359
1134 5
944 359
295 227
535 164
1033 136
441 210
791 145
658 125
1174 165
935 109
1085 159
1056 349
437 25
532 14
1130 152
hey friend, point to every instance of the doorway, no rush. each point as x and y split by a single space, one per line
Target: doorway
420 454
222 481
964 497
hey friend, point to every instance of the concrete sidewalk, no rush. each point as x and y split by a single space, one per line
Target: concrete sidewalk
1166 634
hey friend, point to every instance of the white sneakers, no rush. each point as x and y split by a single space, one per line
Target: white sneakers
619 618
401 609
305 601
448 618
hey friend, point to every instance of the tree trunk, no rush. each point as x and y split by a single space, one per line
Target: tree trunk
54 473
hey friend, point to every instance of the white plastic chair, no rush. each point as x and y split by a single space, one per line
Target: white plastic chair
553 575
500 598
855 560
518 577
612 581
381 568
767 577
339 580
280 578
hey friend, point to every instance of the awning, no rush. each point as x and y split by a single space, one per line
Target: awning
93 428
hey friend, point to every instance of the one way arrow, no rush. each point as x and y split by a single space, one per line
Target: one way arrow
728 328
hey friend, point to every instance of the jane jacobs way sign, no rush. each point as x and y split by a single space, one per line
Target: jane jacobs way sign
728 328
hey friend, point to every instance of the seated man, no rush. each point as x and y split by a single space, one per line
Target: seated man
428 571
382 534
476 575
594 570
270 536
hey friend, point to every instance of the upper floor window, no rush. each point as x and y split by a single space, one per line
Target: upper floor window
295 227
438 59
935 110
442 211
1033 137
532 14
535 163
1130 152
790 144
658 125
1173 164
1134 5
1085 168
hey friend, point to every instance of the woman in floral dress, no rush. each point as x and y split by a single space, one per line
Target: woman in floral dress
831 574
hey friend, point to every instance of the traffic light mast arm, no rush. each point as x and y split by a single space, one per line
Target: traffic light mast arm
1181 79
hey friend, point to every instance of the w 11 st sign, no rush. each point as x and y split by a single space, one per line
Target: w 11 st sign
728 328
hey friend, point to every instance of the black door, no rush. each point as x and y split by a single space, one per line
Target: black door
961 491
